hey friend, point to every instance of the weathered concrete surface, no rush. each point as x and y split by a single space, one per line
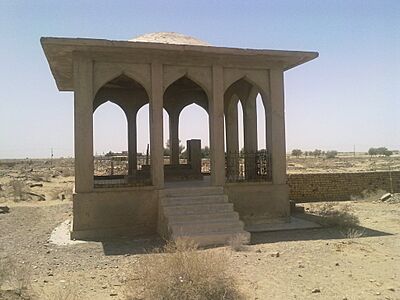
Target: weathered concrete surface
259 202
115 212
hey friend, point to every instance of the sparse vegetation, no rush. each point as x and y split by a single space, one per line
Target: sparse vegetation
331 154
16 278
238 242
19 190
181 271
334 215
353 233
297 152
379 151
369 195
67 292
317 153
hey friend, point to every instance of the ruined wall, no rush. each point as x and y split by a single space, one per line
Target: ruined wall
339 186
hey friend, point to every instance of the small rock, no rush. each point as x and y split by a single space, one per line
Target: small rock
275 254
36 185
316 290
386 196
391 289
377 293
4 209
113 294
258 250
337 264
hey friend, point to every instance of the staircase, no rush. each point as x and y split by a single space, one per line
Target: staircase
202 214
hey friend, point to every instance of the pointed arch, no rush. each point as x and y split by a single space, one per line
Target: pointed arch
109 136
124 91
106 72
178 75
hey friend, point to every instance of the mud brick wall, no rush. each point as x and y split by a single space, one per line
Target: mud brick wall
339 186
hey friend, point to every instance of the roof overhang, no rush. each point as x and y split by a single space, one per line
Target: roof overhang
59 54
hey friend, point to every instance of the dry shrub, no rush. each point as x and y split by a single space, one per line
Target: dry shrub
181 271
41 177
369 195
16 278
19 190
353 233
66 171
341 216
238 242
67 292
62 193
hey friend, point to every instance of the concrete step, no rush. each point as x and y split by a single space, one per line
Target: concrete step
179 219
216 238
208 208
189 200
202 214
194 191
211 226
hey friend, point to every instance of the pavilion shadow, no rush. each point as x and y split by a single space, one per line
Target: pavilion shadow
132 246
323 233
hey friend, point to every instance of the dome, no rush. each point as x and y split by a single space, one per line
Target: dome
169 38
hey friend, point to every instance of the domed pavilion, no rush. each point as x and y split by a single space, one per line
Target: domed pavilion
208 200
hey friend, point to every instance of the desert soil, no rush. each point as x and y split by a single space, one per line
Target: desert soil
302 264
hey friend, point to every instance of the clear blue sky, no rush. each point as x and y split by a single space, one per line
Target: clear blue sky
348 96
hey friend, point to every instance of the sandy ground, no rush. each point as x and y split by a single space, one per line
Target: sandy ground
360 268
323 260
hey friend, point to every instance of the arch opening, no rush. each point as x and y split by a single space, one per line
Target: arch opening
247 155
187 145
126 165
109 119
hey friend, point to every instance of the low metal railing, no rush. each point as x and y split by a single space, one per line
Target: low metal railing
248 166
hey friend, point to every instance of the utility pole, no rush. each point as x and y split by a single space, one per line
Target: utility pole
354 150
51 157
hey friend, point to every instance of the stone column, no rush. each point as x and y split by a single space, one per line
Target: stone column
156 125
174 137
250 134
268 137
217 128
277 130
232 139
83 123
132 141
